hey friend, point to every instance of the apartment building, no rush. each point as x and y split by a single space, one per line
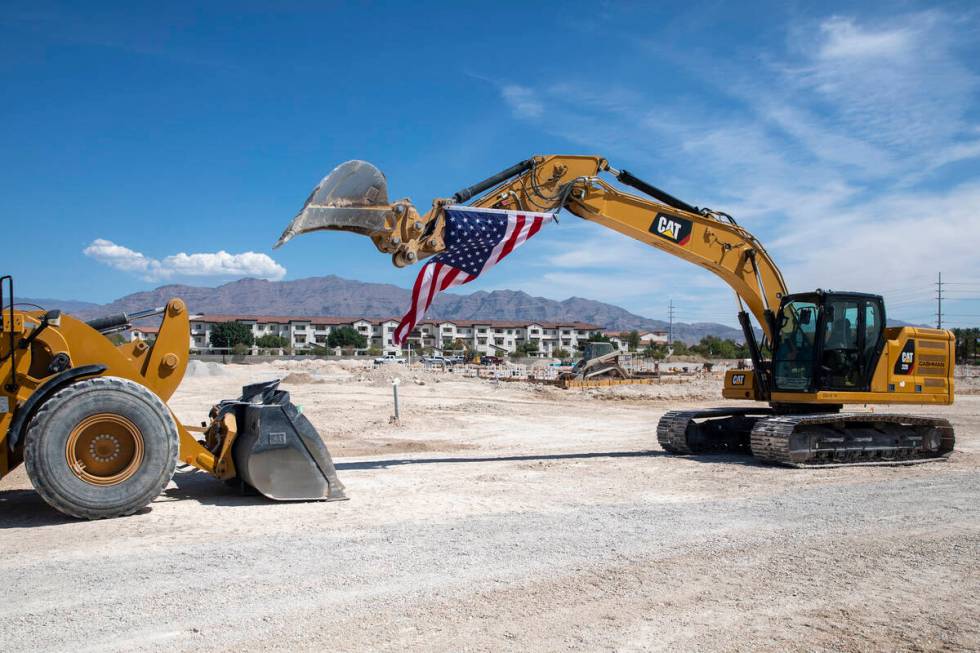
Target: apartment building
647 338
485 336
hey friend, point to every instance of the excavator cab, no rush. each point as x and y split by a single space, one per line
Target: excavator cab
827 341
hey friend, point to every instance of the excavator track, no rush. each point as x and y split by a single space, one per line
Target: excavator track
811 440
844 439
683 431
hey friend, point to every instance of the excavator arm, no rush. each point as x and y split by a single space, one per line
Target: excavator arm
354 198
806 382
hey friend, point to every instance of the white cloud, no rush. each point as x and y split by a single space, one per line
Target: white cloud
117 256
522 100
831 152
902 86
845 40
210 264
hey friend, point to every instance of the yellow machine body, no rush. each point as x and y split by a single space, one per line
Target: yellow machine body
861 360
929 381
159 366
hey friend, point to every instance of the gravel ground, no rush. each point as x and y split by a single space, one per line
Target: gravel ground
503 516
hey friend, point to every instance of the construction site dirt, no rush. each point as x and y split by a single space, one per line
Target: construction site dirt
508 516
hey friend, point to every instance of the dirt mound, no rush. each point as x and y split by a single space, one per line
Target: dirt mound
686 389
196 369
301 378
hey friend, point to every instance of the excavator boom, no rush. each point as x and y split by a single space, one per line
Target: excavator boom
354 198
828 349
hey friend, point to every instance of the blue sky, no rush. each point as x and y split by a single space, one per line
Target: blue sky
846 136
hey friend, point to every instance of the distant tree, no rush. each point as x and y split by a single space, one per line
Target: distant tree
656 351
715 347
270 341
525 349
598 336
239 349
229 334
561 353
633 340
374 351
346 337
967 344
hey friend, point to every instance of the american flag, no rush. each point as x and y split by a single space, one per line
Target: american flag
476 240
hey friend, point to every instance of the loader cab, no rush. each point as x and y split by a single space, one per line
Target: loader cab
827 341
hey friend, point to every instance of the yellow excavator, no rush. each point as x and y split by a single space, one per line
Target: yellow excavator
820 350
89 419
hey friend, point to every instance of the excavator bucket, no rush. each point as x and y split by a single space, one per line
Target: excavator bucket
353 197
278 451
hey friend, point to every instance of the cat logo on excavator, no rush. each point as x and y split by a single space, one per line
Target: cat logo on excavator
672 228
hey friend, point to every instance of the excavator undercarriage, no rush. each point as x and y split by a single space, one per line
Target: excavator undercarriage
827 349
799 438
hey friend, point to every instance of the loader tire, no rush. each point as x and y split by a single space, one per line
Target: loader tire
102 447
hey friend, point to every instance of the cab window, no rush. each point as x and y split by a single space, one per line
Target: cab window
841 359
794 355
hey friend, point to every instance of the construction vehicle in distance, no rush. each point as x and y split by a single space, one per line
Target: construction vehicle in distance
829 349
599 359
603 364
89 419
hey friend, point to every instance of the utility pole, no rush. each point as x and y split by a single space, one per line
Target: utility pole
939 302
670 323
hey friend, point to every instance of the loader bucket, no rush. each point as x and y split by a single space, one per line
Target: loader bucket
278 451
353 197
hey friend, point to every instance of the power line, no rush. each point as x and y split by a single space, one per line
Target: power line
939 302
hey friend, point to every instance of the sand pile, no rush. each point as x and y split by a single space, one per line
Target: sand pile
967 380
687 389
196 369
298 378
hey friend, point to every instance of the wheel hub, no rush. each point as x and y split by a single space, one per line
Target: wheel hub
105 449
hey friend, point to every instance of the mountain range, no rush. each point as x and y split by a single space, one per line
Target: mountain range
336 296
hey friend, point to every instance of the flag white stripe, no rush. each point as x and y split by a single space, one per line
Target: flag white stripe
521 237
511 223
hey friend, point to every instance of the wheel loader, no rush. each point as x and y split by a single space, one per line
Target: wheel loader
89 419
829 349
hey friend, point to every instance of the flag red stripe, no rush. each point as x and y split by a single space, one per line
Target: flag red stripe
410 318
435 276
535 227
450 278
512 241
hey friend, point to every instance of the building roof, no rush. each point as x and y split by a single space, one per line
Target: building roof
336 321
625 334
